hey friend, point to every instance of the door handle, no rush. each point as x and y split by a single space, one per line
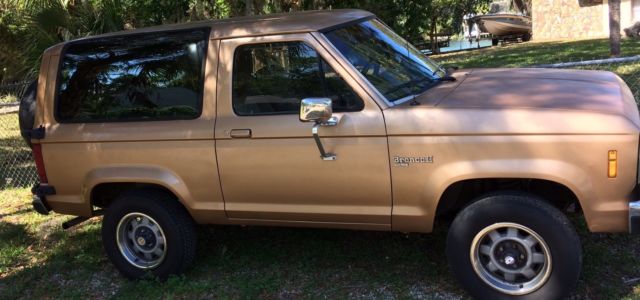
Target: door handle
240 133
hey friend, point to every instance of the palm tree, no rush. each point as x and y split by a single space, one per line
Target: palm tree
38 24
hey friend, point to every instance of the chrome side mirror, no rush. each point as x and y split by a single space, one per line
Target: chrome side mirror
318 110
315 110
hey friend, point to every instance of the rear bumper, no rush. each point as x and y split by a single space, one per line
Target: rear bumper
634 217
39 203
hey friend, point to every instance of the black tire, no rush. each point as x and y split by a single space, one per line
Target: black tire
526 37
546 221
495 42
27 111
174 221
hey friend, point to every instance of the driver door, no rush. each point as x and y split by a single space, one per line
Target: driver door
269 164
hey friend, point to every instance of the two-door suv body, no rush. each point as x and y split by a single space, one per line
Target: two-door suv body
329 119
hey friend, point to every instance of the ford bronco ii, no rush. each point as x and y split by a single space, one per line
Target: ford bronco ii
330 119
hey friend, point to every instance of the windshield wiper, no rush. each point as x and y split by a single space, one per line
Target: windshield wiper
439 68
446 78
432 82
410 83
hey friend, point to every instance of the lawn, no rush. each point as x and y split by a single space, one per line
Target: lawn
233 262
8 99
38 259
537 53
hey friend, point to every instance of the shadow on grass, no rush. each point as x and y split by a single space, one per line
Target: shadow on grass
49 264
237 262
534 53
14 239
250 262
14 213
265 262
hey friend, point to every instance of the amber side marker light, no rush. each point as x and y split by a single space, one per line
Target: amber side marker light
613 163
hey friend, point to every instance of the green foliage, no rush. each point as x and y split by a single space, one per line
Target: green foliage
28 27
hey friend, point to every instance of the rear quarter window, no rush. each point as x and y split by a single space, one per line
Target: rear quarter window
157 76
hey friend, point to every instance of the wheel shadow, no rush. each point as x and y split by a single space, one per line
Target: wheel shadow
50 262
326 263
267 262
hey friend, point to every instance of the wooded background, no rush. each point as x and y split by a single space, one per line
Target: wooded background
28 27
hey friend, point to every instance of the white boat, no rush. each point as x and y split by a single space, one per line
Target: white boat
501 25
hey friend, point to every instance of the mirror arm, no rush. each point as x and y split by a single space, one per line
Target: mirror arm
333 121
324 155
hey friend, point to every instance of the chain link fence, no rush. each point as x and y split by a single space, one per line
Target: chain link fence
628 68
17 168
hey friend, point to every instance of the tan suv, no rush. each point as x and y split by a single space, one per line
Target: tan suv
330 119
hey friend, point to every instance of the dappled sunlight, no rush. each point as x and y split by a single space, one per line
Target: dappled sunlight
535 53
232 260
35 249
16 163
39 259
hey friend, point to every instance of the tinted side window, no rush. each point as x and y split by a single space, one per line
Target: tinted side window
133 78
273 78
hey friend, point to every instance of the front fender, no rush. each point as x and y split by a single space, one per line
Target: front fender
414 207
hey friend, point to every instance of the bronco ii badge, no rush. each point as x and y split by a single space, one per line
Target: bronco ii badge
402 161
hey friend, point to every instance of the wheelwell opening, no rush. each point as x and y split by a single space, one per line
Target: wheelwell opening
462 193
104 194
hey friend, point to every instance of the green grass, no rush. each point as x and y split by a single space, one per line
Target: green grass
8 98
232 262
536 53
38 259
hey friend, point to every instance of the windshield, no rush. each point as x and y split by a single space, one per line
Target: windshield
395 67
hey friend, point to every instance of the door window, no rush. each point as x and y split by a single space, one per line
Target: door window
272 78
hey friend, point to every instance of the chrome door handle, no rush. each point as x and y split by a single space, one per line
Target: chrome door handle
240 133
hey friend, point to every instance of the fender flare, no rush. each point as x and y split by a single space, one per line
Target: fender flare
136 174
420 215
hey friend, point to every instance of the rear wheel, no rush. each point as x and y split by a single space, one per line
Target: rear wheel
148 233
514 246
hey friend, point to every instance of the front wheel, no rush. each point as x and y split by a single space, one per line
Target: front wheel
148 233
508 246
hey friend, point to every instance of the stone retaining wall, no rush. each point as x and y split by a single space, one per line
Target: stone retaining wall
560 19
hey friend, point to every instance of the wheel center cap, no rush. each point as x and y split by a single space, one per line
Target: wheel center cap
509 260
141 241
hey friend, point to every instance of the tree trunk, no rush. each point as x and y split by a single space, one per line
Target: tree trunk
433 38
248 7
614 27
433 41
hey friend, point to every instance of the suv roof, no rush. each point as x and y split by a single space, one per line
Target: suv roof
304 21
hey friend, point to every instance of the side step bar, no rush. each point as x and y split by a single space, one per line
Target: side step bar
77 220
